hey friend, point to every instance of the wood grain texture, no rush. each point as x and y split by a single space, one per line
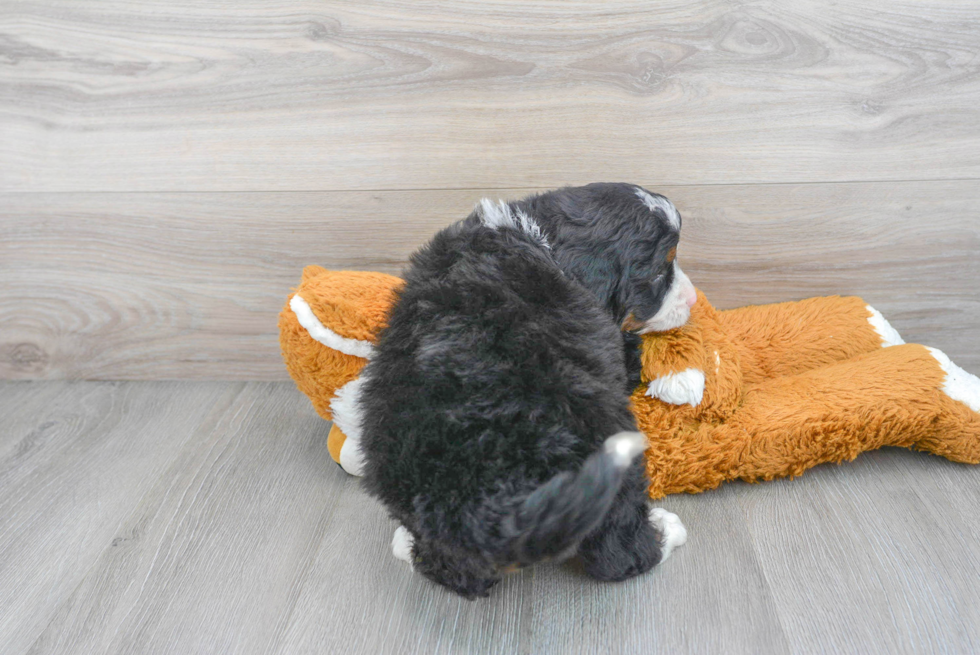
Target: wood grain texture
205 517
79 467
357 598
215 556
871 557
151 286
653 613
119 95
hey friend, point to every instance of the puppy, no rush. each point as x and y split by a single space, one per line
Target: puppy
488 406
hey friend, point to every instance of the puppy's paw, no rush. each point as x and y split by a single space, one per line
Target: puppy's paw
401 545
669 525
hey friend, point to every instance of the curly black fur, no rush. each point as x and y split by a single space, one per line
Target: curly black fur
499 376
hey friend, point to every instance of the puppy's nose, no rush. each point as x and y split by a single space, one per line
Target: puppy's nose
692 297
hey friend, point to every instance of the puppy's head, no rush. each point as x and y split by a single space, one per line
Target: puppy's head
654 293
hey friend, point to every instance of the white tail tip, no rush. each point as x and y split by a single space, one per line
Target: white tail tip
625 446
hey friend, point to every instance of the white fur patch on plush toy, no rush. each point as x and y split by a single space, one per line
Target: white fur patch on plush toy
670 526
889 335
684 388
958 385
352 457
319 332
346 410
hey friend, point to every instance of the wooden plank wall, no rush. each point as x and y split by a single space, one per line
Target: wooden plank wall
168 167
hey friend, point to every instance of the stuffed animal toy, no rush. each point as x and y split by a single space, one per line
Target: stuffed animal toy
754 393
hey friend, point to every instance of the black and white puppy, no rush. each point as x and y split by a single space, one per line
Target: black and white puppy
496 422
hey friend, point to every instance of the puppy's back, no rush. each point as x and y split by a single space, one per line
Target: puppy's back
493 375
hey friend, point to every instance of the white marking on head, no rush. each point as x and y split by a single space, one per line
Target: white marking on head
671 530
625 446
958 384
345 407
495 214
676 308
889 335
401 545
659 202
684 388
326 336
499 214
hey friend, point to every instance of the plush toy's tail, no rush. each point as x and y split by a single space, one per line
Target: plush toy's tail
551 521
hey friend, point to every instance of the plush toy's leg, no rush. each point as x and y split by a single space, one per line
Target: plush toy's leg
632 538
345 451
907 396
794 337
961 400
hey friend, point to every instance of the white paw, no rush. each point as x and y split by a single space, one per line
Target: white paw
959 385
889 335
401 545
670 526
684 388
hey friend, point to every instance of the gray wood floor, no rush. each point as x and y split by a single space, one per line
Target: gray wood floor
207 517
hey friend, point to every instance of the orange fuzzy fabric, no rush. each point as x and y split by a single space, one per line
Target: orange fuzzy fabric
786 386
794 385
352 304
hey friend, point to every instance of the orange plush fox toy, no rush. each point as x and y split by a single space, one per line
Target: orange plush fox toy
754 393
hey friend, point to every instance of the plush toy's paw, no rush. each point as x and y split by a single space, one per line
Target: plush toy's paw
352 457
669 525
889 335
401 545
347 416
958 385
684 388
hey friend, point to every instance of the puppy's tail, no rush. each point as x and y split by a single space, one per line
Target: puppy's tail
556 516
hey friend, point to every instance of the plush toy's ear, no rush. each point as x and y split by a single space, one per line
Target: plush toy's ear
328 328
353 305
327 332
